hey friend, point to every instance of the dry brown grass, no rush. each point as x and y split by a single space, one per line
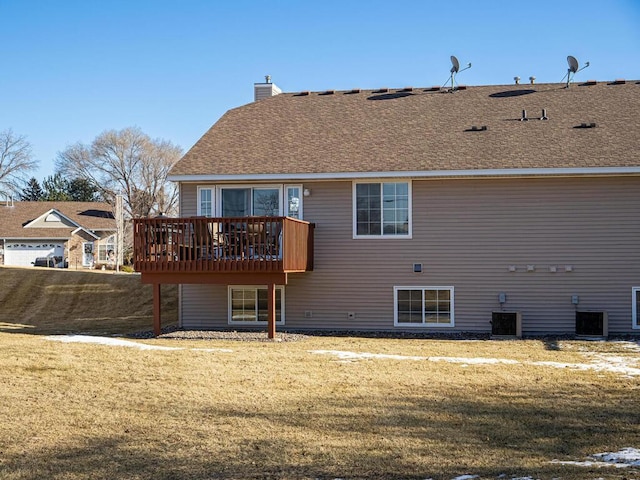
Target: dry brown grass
35 300
275 410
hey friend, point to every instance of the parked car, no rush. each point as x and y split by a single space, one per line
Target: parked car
51 262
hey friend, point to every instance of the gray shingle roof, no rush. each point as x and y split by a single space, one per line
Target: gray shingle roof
89 215
423 130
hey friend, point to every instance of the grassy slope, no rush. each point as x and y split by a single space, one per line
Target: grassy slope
44 301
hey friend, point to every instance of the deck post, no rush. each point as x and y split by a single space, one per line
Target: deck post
271 305
157 323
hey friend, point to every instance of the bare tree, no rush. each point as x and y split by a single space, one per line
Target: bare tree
126 162
16 161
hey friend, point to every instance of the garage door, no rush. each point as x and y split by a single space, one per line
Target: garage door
23 254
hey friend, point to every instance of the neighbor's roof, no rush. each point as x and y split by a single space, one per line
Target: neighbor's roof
320 134
89 215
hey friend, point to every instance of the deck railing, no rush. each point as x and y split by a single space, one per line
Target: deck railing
239 244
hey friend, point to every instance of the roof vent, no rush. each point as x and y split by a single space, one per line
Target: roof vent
618 81
328 92
406 89
532 79
381 90
517 80
589 83
544 114
524 116
265 90
586 125
433 89
355 90
475 128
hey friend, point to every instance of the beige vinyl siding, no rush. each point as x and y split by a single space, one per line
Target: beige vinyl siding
188 200
466 233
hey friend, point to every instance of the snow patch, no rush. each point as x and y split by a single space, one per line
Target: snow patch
627 366
118 342
627 457
113 342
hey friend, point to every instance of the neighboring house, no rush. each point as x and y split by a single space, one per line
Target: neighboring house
73 234
503 209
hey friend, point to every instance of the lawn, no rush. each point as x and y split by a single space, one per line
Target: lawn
319 408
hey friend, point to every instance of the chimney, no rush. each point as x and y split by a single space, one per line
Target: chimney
265 90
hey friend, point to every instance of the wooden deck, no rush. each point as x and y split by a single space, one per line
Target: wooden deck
222 245
228 251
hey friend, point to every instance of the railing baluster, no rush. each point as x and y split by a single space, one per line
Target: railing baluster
238 244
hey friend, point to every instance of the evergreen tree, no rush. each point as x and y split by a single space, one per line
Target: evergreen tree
56 188
81 190
32 192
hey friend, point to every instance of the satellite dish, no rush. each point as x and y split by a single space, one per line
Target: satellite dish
573 64
456 64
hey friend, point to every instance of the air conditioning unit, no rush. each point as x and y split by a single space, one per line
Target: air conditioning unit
592 324
506 324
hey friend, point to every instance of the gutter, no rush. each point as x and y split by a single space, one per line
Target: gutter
486 173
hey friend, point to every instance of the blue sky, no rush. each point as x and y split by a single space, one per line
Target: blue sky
72 69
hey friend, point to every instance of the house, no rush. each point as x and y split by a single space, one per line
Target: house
73 234
508 209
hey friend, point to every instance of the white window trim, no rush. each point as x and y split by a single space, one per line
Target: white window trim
256 287
219 188
635 321
213 199
104 246
451 324
382 235
285 199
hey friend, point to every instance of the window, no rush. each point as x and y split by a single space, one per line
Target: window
243 202
635 307
107 250
294 201
250 305
205 202
382 209
423 306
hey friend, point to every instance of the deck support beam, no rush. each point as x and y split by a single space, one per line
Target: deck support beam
271 306
157 321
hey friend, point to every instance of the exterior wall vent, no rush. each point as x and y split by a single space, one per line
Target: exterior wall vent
506 324
592 324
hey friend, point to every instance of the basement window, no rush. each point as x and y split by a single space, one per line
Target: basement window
635 308
249 305
423 306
